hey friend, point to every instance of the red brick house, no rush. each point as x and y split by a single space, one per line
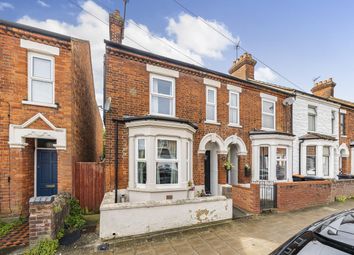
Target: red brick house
48 114
179 123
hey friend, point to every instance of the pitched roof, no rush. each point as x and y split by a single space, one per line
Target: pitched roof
317 136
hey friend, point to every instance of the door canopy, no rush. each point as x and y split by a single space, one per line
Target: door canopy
19 133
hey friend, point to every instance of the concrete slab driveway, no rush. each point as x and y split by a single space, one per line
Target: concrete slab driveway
258 235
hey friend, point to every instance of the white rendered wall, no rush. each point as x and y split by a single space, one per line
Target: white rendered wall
127 219
323 126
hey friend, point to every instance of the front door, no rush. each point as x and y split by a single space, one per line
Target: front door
47 179
207 172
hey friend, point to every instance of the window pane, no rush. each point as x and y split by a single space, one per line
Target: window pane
162 87
41 68
141 148
210 112
268 107
263 163
142 172
233 100
312 123
166 149
281 166
162 105
311 160
42 92
233 115
268 121
211 96
166 173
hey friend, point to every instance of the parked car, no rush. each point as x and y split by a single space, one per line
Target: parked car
329 236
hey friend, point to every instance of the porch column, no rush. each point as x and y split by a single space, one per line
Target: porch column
150 162
255 163
272 163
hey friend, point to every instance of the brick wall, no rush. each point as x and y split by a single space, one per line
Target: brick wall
47 217
127 83
347 162
77 112
299 195
342 188
247 197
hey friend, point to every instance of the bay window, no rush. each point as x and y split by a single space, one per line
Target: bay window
311 160
162 95
140 161
211 104
333 122
264 163
234 111
326 154
40 78
282 163
166 162
268 114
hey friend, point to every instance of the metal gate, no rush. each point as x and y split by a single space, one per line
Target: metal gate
268 195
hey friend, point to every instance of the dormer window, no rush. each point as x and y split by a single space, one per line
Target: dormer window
162 95
40 78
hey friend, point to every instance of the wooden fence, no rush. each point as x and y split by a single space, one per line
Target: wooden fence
89 185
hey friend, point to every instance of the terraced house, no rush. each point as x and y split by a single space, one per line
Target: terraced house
49 118
176 131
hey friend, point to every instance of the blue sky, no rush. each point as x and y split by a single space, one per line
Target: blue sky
300 39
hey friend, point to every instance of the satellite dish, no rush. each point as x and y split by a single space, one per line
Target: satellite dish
289 101
107 104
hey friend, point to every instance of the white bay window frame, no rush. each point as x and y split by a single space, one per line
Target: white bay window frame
138 160
211 104
31 78
171 97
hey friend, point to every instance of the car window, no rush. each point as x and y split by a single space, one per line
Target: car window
317 248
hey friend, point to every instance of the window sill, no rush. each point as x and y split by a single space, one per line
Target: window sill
268 129
40 104
344 136
235 125
158 189
212 122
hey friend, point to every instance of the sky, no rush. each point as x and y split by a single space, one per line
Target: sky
300 40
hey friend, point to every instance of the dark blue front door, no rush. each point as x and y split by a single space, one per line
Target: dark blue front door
47 178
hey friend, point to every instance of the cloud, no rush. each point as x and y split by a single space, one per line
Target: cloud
265 74
193 34
157 44
83 30
194 44
42 3
5 5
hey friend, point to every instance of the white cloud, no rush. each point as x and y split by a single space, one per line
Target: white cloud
265 74
42 3
193 34
197 42
88 28
157 44
5 5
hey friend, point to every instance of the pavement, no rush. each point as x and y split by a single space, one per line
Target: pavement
252 235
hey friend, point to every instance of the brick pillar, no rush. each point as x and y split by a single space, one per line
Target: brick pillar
242 178
198 171
221 170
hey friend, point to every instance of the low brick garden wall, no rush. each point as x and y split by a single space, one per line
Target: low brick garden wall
344 187
47 216
299 195
247 197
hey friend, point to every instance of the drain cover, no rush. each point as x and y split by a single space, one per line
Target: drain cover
103 247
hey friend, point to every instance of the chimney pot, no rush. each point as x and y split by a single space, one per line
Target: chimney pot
243 67
116 27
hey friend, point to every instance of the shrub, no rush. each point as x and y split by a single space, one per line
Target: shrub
75 219
341 198
44 247
5 228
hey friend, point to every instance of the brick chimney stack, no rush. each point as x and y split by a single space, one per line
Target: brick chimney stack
243 67
324 88
116 27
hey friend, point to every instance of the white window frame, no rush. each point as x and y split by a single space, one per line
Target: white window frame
157 160
237 108
211 104
333 122
329 161
269 114
32 55
173 96
283 160
137 160
268 163
188 162
343 124
308 117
